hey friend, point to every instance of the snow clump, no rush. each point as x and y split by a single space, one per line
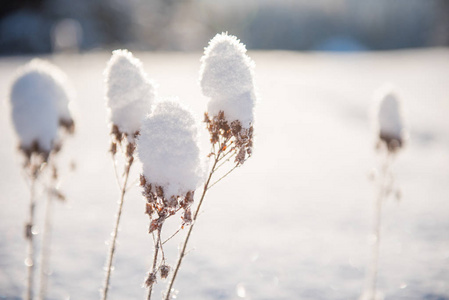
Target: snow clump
40 97
390 125
129 92
168 149
226 77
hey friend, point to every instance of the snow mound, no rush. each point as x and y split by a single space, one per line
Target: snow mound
168 149
40 99
226 77
129 92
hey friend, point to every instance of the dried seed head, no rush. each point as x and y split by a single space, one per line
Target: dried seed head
151 279
155 224
236 134
393 143
116 134
36 150
171 202
189 198
143 181
113 148
149 209
130 150
187 217
159 191
68 125
165 270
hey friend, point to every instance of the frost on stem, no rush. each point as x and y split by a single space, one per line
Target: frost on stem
40 97
226 77
169 152
129 96
390 128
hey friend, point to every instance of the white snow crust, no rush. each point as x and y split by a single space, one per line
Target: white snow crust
129 91
168 149
389 113
226 77
39 98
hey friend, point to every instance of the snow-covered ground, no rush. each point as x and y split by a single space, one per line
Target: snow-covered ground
293 223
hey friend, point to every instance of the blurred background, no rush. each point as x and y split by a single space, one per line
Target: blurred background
44 26
296 221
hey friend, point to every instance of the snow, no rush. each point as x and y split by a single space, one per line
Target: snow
226 77
389 116
294 222
39 99
63 90
168 149
129 92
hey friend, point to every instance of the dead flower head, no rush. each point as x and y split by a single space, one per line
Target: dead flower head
159 207
230 137
165 270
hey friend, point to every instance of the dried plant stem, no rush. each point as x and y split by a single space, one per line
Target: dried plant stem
46 247
382 194
115 232
157 243
222 177
29 235
170 237
186 240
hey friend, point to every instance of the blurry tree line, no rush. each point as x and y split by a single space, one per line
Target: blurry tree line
42 26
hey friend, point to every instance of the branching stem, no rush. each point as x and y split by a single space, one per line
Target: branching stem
222 177
186 240
153 268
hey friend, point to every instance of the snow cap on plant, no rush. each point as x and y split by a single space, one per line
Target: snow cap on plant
63 92
226 77
40 98
168 149
129 93
390 128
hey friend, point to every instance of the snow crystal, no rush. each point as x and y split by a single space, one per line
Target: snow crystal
226 77
168 149
39 101
129 92
389 114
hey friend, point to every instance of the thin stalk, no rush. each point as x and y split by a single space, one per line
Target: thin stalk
153 268
186 240
377 227
222 177
227 160
46 247
29 236
115 232
169 238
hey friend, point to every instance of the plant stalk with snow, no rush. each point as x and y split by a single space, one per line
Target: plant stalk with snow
390 134
227 79
129 96
168 150
39 101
